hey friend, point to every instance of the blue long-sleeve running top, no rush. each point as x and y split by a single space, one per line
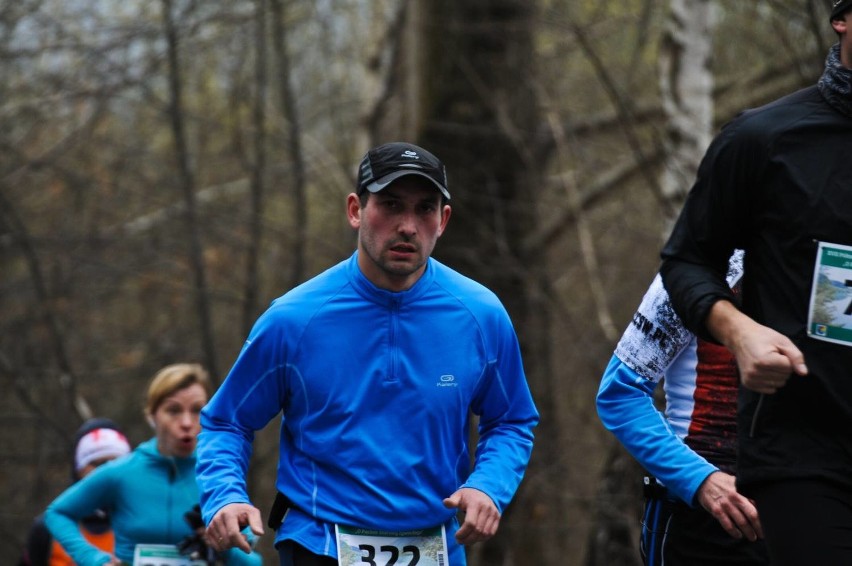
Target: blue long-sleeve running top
376 389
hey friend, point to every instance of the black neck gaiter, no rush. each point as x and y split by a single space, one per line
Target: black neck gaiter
835 84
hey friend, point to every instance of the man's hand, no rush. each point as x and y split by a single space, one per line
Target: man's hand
481 517
737 514
766 358
223 532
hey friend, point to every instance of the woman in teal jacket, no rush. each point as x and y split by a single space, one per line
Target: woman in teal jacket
149 491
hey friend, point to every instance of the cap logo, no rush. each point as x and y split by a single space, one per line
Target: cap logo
411 154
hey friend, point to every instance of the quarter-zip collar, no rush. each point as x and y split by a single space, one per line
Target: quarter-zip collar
177 469
383 297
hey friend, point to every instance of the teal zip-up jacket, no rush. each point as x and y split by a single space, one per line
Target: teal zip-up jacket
146 495
377 389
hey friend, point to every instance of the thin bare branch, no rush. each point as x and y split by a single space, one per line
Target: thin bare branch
584 234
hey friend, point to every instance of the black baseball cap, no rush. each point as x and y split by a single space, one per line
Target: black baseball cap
839 7
386 163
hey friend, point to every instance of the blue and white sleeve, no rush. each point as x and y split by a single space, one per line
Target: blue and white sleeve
626 408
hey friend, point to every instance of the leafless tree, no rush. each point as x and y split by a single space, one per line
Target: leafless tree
187 182
258 169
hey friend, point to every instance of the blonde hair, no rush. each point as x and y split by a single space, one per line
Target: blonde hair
173 378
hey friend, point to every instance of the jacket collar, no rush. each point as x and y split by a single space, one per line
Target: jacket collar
383 297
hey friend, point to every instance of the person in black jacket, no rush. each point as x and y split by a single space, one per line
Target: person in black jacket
777 182
97 441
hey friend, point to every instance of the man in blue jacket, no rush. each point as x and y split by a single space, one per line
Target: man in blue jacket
377 365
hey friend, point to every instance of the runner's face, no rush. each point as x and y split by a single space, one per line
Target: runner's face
397 231
177 421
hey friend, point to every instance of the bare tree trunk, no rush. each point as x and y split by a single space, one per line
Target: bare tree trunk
188 185
258 171
686 86
291 115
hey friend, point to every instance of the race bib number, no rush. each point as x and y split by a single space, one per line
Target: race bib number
830 311
162 555
424 547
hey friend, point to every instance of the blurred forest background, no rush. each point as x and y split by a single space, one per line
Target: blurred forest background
167 168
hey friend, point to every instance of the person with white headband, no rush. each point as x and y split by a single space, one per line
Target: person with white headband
97 441
151 492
